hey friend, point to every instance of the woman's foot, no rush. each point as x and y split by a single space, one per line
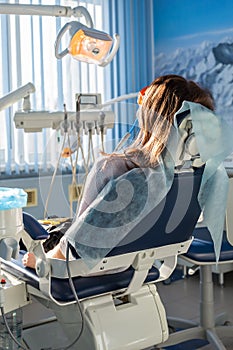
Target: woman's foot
29 260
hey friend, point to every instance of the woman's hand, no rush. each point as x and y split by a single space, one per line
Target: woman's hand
29 260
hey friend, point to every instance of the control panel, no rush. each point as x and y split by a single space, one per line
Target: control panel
13 293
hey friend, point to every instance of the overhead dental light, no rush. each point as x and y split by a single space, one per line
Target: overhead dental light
86 43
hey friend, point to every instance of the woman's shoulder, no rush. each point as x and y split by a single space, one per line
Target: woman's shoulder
118 161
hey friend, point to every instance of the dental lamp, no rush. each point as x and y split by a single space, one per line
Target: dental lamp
86 43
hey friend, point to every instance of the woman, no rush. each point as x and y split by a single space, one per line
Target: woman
159 103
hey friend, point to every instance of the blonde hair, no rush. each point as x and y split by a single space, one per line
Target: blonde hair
162 99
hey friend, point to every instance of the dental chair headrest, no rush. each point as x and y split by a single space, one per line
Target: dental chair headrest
187 155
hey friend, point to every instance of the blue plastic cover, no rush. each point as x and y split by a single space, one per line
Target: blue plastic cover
214 140
11 198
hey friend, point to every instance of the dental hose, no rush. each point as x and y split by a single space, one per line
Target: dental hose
74 166
90 144
65 126
53 179
101 126
77 303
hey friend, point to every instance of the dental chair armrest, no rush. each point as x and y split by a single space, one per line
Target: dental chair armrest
33 227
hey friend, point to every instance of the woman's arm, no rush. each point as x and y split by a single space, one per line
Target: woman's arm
103 170
55 253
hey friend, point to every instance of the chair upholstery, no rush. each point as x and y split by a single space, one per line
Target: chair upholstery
85 287
172 205
134 288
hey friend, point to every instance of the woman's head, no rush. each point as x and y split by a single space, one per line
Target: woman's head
162 99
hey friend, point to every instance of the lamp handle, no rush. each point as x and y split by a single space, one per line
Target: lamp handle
113 52
64 29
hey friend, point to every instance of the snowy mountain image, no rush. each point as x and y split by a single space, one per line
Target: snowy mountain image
209 64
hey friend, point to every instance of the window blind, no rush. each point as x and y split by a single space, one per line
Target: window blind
27 55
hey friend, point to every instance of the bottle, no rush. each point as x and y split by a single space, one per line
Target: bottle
15 323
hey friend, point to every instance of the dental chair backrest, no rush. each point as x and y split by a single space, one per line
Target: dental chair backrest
174 219
169 225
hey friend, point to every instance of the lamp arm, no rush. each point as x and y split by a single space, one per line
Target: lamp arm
80 11
16 95
120 99
40 10
46 10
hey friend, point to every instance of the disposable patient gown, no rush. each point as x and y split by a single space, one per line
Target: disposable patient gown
126 200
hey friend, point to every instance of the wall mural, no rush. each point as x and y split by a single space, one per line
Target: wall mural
195 39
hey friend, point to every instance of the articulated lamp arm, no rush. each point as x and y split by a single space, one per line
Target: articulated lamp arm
14 96
39 10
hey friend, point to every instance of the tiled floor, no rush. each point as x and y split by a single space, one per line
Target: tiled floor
181 299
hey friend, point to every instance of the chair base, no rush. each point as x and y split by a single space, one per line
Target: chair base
211 335
209 328
109 325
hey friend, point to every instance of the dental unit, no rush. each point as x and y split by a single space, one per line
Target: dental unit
34 121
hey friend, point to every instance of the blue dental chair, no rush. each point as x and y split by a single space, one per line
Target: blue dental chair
201 253
121 310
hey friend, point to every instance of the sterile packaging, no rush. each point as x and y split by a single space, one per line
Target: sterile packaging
11 220
11 198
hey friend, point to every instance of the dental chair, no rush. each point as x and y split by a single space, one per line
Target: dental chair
211 327
120 310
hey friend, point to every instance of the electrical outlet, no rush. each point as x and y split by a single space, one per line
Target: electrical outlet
32 199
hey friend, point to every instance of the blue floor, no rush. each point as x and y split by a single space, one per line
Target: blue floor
189 345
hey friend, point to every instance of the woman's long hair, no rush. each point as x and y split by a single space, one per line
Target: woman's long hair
162 99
